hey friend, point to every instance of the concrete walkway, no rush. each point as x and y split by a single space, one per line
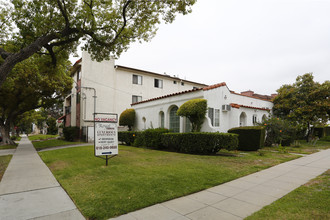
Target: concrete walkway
28 190
241 197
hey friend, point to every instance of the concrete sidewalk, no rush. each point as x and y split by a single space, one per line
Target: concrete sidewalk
241 197
28 190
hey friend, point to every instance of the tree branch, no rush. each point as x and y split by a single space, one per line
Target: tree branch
63 11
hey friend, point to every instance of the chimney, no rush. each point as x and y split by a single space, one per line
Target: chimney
247 93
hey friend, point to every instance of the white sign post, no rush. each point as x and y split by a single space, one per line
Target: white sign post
105 135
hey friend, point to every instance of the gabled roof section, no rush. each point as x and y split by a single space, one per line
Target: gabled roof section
255 96
234 105
169 95
157 74
214 86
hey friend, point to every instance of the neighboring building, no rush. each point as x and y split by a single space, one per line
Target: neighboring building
226 109
116 88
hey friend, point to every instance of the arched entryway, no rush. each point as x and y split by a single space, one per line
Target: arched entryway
242 119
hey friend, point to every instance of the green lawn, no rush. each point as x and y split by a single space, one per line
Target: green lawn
41 137
4 161
138 177
304 147
310 201
3 147
39 145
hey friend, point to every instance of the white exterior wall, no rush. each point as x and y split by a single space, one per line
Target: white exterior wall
150 111
215 99
114 88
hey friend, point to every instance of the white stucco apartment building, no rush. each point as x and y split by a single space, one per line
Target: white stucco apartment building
116 88
226 109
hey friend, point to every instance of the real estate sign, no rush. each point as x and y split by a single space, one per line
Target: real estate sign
105 134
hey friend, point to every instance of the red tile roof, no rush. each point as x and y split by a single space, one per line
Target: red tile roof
214 86
255 96
169 95
234 105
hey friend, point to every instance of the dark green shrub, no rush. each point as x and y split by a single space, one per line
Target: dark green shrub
279 131
250 137
71 133
325 138
327 131
126 137
195 111
13 137
52 128
127 118
152 137
199 142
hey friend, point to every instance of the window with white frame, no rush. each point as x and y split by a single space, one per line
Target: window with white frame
158 83
216 117
137 79
136 98
210 114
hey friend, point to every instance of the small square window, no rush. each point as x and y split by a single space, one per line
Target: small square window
137 79
182 83
158 83
174 82
136 99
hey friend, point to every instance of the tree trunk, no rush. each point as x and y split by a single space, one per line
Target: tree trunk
4 129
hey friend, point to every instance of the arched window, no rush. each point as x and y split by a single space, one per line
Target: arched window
144 123
242 119
174 119
161 119
264 118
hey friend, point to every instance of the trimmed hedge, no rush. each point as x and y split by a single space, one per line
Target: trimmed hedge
199 142
152 137
322 131
128 137
250 138
71 133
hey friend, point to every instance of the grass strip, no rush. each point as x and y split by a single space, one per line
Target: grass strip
41 137
39 145
138 177
310 201
4 147
4 161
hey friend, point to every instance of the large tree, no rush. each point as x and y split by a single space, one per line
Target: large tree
32 84
104 26
305 102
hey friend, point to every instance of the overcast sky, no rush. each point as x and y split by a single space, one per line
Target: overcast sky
255 44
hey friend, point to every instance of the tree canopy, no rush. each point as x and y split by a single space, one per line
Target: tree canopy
32 84
127 118
195 111
305 102
105 27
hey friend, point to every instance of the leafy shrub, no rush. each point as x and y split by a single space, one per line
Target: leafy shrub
126 137
127 118
279 131
195 111
52 128
325 138
250 137
13 137
71 133
199 142
152 137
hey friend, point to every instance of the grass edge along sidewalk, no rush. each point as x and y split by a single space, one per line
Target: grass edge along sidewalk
140 177
4 161
310 201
